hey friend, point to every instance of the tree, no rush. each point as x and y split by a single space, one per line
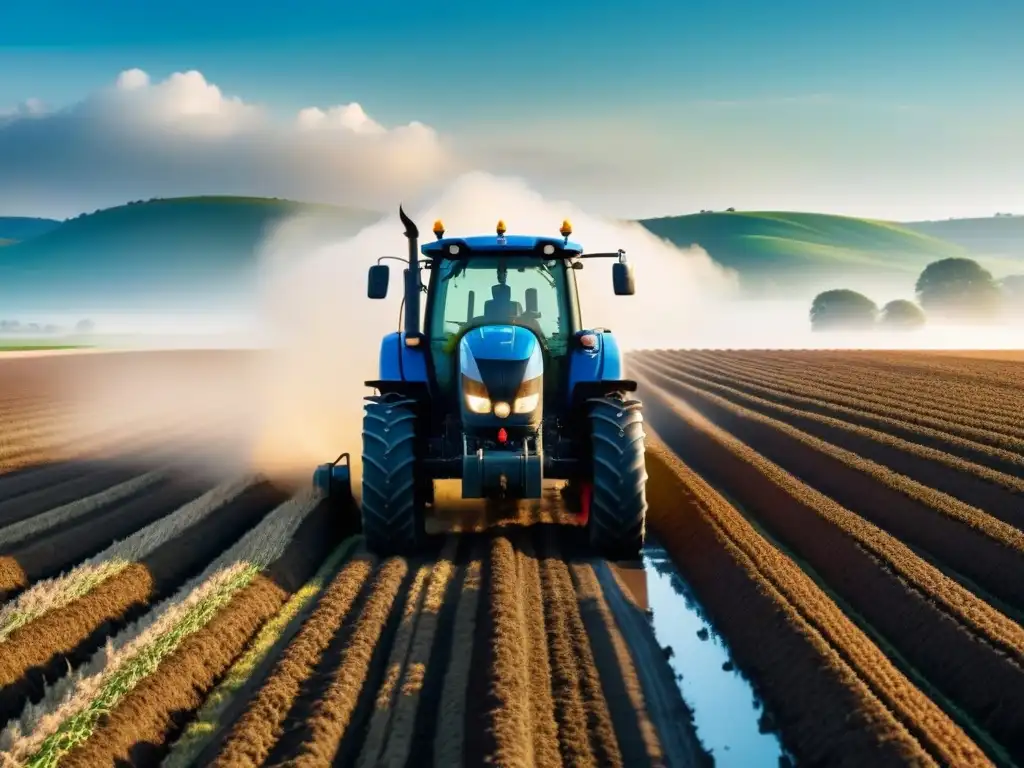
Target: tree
842 309
958 288
85 326
902 315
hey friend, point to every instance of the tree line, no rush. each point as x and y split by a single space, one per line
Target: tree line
956 289
16 326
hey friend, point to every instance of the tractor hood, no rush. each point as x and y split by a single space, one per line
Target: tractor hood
501 358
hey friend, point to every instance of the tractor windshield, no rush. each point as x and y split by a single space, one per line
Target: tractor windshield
485 290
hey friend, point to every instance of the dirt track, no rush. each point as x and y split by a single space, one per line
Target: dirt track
869 585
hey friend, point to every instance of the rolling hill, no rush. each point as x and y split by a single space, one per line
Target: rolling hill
781 249
138 254
998 236
147 250
14 228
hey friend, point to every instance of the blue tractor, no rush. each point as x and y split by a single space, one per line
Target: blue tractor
502 394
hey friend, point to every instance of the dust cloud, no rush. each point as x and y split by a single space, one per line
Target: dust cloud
325 334
299 402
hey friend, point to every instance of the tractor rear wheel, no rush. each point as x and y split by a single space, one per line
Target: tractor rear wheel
618 507
393 491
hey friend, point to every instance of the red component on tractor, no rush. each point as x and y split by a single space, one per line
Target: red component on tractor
502 435
586 492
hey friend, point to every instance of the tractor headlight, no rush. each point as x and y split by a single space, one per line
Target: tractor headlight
478 404
528 403
478 399
528 396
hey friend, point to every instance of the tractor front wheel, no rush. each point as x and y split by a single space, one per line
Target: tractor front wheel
393 492
618 507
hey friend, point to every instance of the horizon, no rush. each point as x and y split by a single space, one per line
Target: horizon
659 108
761 211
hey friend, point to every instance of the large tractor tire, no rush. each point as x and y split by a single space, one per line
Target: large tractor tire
618 507
393 491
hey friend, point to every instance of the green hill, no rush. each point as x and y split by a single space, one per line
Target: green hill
146 250
770 249
24 227
199 247
997 236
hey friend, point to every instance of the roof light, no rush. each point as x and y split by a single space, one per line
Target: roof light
501 227
502 410
453 249
439 229
588 340
549 249
566 228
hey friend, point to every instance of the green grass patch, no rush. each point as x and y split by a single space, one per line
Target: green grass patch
271 639
36 347
80 726
80 585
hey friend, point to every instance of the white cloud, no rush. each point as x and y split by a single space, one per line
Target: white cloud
140 138
28 108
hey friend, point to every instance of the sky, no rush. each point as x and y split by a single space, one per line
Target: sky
907 110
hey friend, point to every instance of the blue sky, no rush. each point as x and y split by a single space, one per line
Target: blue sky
793 81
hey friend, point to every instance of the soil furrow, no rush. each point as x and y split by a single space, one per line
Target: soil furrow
46 557
40 652
891 402
985 550
997 493
331 715
499 725
258 729
1003 459
542 720
388 693
149 718
449 745
79 483
926 617
837 697
408 694
603 741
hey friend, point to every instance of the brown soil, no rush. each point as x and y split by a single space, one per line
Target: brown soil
838 699
150 717
136 731
17 507
514 646
925 616
975 545
48 555
42 651
252 737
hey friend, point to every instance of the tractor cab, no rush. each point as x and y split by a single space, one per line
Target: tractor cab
500 281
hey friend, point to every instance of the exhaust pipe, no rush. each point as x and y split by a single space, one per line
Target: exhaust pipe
412 276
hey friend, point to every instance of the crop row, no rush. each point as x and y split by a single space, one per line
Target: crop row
165 618
847 522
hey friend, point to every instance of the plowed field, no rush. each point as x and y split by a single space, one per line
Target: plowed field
851 523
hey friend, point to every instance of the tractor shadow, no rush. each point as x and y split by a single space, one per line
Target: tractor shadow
453 514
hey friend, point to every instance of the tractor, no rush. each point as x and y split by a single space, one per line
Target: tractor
502 394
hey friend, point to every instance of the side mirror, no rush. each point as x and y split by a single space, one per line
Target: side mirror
622 278
377 284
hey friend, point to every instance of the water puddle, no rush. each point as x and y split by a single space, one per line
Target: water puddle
726 711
